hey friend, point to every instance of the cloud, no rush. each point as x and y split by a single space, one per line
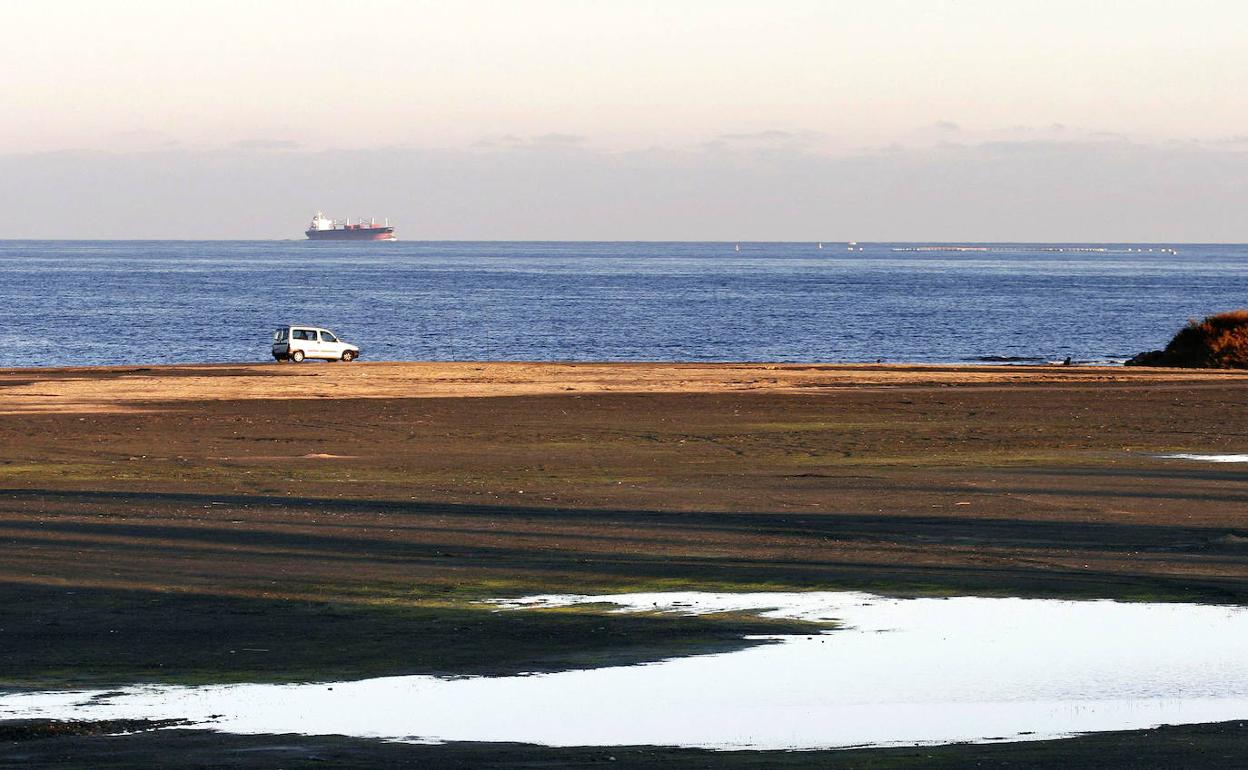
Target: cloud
760 136
948 135
550 142
141 139
771 137
266 144
559 139
1023 189
768 141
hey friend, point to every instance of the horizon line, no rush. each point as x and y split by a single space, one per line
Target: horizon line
643 240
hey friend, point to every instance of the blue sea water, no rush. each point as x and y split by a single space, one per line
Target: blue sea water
131 302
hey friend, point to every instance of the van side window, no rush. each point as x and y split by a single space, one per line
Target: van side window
327 337
301 334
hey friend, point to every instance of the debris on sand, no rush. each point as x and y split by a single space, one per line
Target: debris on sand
33 729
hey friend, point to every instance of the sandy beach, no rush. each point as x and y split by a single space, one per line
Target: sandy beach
110 389
345 519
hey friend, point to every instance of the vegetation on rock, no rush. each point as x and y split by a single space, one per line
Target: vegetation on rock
1220 341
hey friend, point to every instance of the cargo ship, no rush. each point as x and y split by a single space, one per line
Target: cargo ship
325 229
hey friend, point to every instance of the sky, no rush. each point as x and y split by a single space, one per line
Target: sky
829 120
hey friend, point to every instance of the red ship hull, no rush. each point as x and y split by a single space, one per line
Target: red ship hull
352 233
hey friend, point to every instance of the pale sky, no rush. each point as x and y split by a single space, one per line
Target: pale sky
738 93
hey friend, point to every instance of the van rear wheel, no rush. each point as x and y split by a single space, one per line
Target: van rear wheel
297 356
348 355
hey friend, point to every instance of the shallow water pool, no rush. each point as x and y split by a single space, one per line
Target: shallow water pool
895 671
1207 458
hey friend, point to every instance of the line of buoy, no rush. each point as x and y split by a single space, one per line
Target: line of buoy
853 246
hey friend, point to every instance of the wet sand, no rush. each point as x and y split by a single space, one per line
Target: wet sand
162 523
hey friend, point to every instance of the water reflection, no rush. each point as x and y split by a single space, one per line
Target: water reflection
896 672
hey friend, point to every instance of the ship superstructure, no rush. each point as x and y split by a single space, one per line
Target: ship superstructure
325 229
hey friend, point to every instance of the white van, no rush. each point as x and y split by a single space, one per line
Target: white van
295 343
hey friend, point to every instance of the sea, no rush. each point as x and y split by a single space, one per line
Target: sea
72 303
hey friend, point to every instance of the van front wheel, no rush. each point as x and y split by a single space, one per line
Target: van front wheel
297 356
348 355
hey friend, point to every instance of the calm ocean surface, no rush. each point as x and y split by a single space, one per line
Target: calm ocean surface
131 302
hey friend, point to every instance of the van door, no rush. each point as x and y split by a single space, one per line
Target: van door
317 348
330 346
305 340
281 342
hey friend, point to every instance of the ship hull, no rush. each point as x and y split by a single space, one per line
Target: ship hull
352 234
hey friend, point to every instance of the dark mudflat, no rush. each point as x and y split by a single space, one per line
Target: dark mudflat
158 545
1212 746
272 539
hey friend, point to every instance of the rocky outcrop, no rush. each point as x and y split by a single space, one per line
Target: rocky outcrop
1148 358
1218 342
